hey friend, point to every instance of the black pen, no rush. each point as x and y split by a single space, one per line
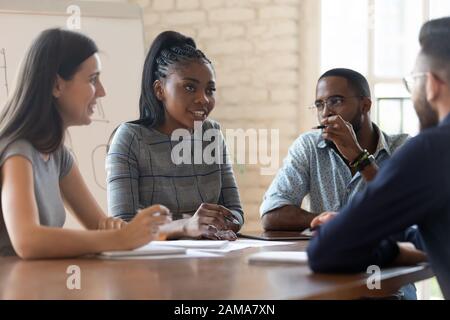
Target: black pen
319 127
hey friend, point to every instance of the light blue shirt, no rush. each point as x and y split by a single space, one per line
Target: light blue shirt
312 168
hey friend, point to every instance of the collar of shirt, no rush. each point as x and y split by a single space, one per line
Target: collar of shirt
382 143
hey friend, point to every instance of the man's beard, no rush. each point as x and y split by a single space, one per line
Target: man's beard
428 118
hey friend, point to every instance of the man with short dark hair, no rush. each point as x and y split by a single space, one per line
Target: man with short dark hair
331 165
413 187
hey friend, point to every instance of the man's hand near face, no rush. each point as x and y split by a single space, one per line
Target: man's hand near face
343 136
341 133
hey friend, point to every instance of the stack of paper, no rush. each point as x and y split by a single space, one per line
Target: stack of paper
190 248
147 250
193 244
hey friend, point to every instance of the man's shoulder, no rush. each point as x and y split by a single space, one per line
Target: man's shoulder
434 138
311 139
395 141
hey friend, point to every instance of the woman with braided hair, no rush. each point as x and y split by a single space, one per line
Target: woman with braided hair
177 93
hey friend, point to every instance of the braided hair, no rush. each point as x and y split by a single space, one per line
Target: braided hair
169 50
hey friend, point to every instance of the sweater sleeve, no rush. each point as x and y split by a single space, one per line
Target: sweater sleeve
123 173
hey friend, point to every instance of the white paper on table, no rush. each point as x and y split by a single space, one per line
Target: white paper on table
194 244
279 256
262 243
241 244
147 250
190 253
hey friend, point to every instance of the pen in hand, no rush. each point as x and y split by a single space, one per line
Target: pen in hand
319 127
232 220
227 215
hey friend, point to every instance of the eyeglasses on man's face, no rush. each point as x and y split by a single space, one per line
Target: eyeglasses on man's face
332 102
409 81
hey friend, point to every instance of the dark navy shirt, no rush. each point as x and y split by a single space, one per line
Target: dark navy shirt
412 188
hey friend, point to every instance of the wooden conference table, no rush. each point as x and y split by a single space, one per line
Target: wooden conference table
227 277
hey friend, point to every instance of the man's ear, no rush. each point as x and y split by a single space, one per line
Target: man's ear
367 104
158 89
432 86
58 87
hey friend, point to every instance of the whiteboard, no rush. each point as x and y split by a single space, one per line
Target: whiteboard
117 29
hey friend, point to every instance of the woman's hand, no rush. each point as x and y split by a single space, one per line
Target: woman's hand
211 221
109 223
144 227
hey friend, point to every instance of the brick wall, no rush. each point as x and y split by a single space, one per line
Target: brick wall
266 61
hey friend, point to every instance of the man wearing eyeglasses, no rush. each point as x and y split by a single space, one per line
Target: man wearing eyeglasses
413 188
333 164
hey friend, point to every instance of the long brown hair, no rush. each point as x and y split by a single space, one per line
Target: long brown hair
31 111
